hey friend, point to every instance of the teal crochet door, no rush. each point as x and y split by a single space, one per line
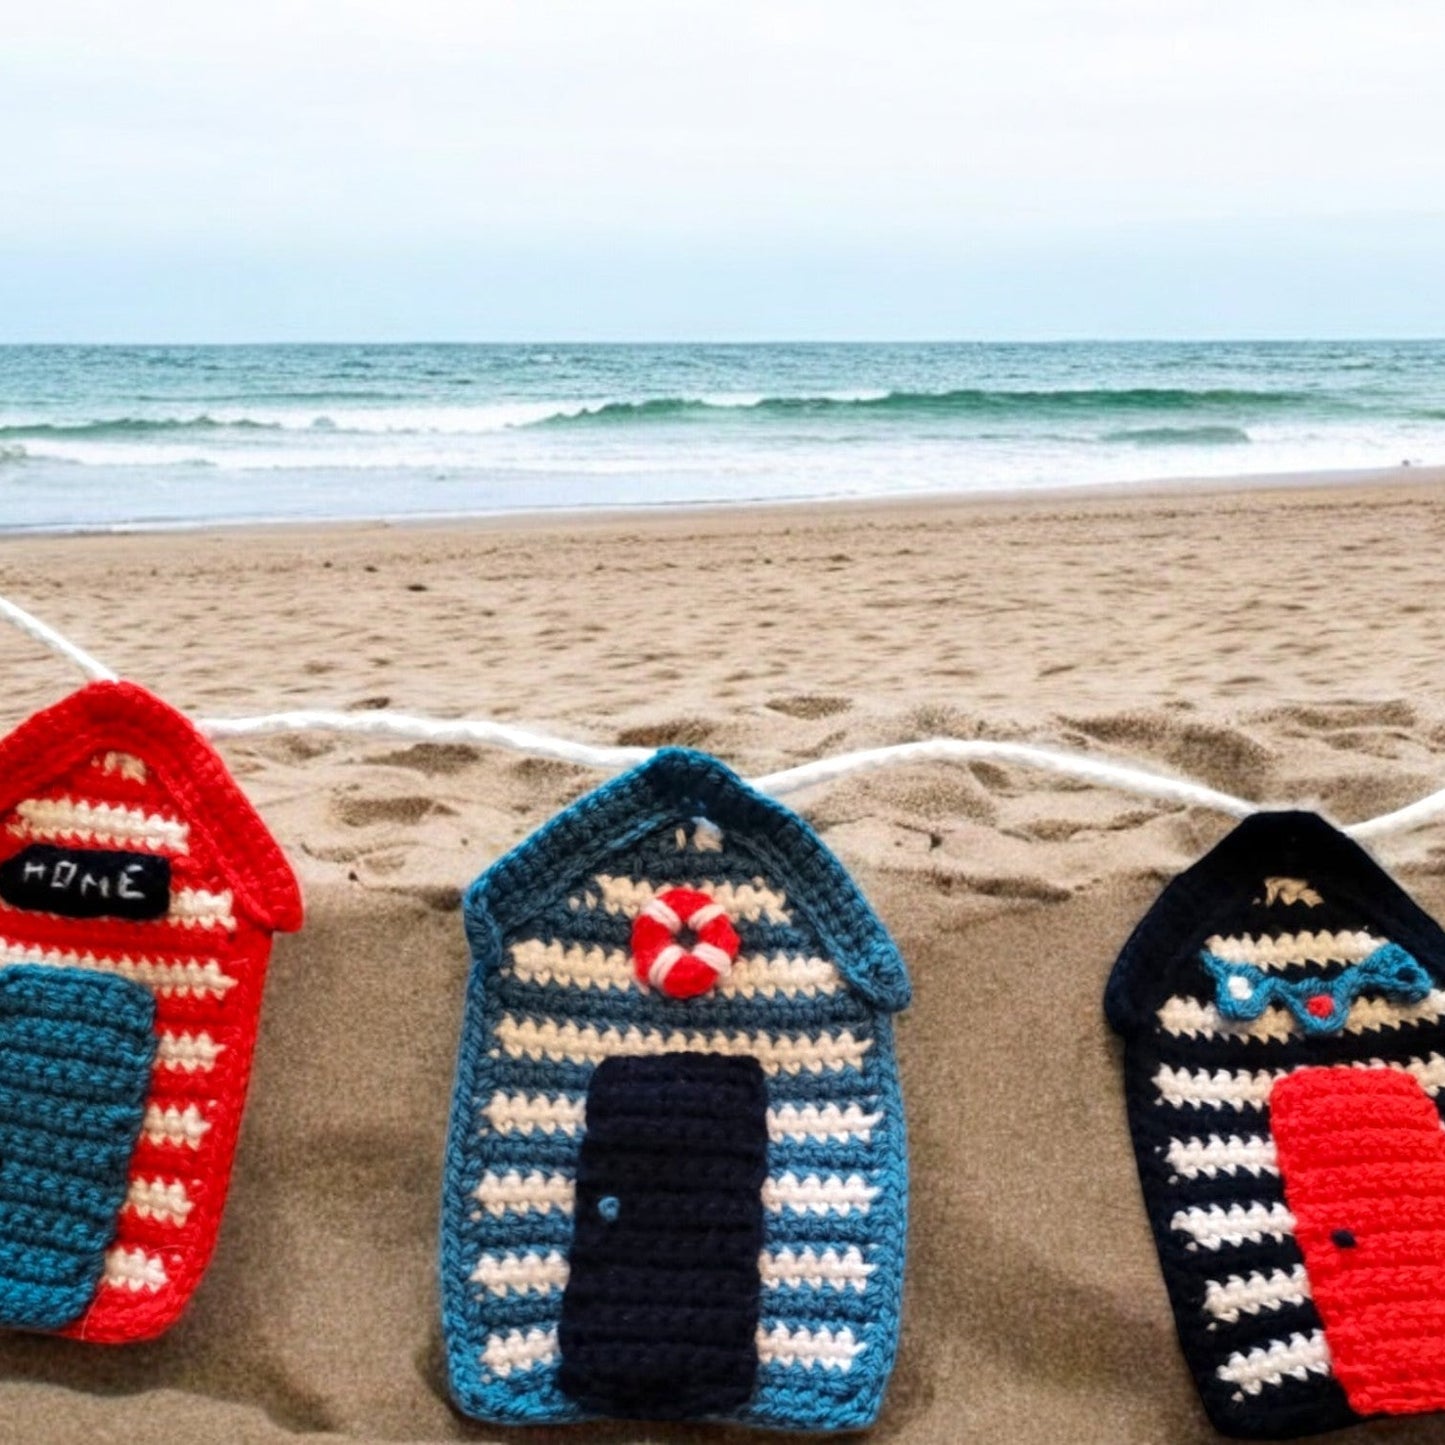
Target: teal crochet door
76 1050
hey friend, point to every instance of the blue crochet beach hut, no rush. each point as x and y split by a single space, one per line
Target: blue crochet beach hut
676 1178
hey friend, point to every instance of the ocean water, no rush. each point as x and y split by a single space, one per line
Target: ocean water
175 435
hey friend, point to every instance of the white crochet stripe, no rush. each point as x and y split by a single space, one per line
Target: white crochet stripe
175 1127
1227 1299
187 1052
1214 1226
530 1193
518 1351
502 1274
1241 1090
197 908
801 1123
822 1348
134 1270
629 896
124 765
185 978
521 1273
1253 1153
164 1200
808 1269
568 1042
46 819
535 1113
818 1194
534 961
1295 1358
1295 950
1196 1019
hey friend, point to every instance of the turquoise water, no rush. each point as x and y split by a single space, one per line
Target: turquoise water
156 435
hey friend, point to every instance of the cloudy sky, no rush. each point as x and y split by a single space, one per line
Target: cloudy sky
470 169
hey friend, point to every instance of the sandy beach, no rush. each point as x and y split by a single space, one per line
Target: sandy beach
1280 643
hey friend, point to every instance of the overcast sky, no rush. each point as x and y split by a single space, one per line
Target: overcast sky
475 170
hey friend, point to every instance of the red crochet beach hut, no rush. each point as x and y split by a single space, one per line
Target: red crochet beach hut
127 850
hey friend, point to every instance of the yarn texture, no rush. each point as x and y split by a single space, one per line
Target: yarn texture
659 1206
138 884
1283 1010
75 1063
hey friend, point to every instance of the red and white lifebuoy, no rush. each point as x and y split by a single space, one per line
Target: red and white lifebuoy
683 967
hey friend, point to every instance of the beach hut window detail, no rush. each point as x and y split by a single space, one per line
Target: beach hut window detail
1283 1010
675 1206
139 892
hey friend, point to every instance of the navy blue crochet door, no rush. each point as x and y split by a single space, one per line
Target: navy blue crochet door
660 1315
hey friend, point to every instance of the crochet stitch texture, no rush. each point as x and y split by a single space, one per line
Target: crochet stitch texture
546 1227
1283 1010
75 1062
136 870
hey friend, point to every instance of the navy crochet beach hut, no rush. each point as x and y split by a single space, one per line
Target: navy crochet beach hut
1283 1010
676 1179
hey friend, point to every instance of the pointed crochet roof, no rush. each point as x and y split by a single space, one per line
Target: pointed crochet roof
678 785
123 717
1290 844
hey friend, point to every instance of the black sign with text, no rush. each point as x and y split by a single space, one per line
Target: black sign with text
87 882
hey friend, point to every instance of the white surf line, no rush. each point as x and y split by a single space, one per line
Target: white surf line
819 1194
47 819
798 1123
1227 1299
134 1270
1254 1154
1296 950
188 1052
572 1043
185 977
1195 1018
1240 1089
808 1349
604 969
750 902
1214 1226
164 1200
176 1127
530 1193
1295 1358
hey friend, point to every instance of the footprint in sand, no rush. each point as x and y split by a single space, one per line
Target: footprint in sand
810 705
685 732
410 810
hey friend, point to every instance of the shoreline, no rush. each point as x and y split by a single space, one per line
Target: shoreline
1243 484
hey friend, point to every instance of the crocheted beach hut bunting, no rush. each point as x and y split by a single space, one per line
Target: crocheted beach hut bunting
1283 1007
676 1178
138 894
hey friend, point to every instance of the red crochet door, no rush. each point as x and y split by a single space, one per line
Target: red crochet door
1362 1156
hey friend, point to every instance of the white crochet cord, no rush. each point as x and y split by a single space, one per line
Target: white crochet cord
484 733
43 633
